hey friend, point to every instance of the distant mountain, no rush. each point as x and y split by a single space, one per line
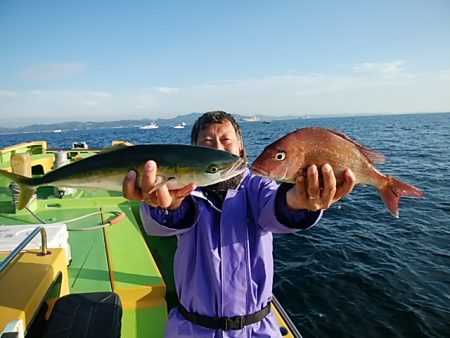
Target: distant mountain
78 125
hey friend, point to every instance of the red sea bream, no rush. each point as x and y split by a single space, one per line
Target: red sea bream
290 156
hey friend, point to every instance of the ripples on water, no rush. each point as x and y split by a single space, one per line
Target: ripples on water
360 272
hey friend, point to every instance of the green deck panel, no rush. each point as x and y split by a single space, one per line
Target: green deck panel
133 268
88 270
163 251
132 261
144 323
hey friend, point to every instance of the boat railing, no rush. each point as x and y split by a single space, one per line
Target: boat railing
292 328
39 229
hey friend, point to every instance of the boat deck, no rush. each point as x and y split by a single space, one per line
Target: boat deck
113 258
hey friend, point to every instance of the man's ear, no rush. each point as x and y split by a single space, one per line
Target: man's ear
242 151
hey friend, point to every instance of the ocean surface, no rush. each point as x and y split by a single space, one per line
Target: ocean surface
360 272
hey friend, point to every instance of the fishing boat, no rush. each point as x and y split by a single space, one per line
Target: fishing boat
77 263
152 125
180 125
250 119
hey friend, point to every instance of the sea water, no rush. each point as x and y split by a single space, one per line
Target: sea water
360 272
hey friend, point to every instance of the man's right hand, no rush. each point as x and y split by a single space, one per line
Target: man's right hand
162 197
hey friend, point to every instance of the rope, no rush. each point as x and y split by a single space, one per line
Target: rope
15 190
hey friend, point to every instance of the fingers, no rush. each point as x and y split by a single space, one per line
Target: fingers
306 193
149 176
314 198
179 195
346 187
309 194
162 197
329 186
300 188
313 183
129 189
186 190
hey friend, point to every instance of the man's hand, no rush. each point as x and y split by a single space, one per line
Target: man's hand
308 194
162 197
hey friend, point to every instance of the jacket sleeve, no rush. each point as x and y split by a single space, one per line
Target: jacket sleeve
162 222
275 216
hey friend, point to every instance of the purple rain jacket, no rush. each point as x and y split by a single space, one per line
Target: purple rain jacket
223 266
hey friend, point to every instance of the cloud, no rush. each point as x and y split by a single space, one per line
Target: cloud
389 69
70 94
69 97
8 93
87 94
53 71
166 90
363 88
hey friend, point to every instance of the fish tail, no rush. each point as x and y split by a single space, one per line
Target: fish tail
27 189
393 190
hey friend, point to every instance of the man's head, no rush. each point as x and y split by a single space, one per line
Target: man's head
218 129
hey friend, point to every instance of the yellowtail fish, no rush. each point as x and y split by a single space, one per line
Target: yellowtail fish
291 155
178 164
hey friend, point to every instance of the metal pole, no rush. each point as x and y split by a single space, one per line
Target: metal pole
19 248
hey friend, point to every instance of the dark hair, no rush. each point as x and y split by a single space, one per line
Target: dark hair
211 117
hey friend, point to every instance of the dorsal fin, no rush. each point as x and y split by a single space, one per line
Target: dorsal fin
373 156
121 143
113 148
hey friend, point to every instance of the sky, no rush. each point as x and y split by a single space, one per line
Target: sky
112 60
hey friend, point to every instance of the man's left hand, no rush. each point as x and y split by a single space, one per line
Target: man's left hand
307 193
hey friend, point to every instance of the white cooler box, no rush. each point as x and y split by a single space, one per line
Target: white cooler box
57 237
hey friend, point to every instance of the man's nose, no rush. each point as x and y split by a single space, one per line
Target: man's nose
218 145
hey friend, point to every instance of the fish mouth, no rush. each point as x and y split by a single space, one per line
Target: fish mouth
240 165
260 171
237 168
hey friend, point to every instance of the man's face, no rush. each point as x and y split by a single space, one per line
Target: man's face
221 136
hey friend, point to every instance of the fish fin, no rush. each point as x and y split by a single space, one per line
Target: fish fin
114 147
121 144
393 190
25 195
160 184
373 156
25 185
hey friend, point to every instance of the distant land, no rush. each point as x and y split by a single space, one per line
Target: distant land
78 125
187 119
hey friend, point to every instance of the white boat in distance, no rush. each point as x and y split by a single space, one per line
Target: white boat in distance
250 119
152 125
180 125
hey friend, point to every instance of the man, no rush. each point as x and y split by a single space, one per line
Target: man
223 265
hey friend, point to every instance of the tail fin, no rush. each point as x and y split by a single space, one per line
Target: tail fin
27 188
393 190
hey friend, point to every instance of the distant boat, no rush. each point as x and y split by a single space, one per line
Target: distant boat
152 125
57 131
180 125
267 122
250 119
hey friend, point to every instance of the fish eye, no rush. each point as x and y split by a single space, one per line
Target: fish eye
213 169
280 156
